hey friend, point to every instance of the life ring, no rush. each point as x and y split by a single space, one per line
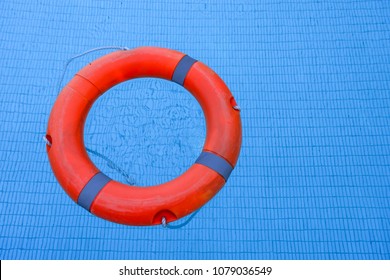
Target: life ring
132 205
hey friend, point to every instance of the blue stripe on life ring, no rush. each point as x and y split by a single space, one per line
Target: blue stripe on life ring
182 69
91 190
216 163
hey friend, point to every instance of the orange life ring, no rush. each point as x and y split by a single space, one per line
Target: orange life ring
132 205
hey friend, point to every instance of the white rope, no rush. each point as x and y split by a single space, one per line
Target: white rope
82 54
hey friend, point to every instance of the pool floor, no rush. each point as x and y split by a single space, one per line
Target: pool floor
312 80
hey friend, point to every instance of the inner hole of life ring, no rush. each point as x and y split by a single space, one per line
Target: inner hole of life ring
152 130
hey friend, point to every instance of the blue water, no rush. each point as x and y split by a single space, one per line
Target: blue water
313 82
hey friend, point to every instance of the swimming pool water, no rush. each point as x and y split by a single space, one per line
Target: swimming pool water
312 80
